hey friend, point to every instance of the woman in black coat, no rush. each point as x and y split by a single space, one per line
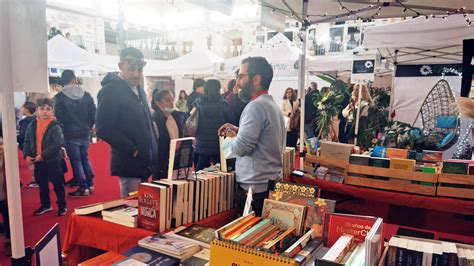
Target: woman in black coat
169 124
213 113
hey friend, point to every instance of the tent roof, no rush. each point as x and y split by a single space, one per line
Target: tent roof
390 8
420 41
340 62
199 61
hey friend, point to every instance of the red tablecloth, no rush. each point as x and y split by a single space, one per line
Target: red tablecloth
85 232
442 204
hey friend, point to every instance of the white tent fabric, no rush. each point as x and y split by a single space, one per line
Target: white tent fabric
421 41
200 62
340 62
279 51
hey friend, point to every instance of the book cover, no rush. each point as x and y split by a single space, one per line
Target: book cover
397 153
254 230
149 196
177 198
359 159
402 252
284 215
309 250
169 245
382 163
402 164
129 262
132 224
335 225
339 249
181 158
336 150
315 209
202 258
201 234
124 213
150 257
297 189
391 259
379 152
451 167
299 244
432 156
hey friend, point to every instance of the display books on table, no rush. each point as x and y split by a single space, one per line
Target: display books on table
181 158
170 245
455 167
196 233
315 209
404 250
97 207
150 257
284 215
122 215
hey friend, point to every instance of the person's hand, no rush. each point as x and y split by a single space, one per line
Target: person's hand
135 153
223 130
30 160
230 134
38 158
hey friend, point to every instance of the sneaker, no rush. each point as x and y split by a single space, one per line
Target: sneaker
80 193
42 210
92 190
61 212
72 183
32 184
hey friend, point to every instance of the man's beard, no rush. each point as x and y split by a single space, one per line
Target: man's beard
245 93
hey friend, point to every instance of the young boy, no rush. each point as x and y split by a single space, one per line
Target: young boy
43 142
28 109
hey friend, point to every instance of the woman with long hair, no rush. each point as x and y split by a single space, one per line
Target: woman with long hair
169 124
182 103
290 110
350 111
213 113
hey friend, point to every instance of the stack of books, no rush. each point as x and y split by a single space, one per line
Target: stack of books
195 233
416 251
123 215
143 256
170 245
97 207
165 204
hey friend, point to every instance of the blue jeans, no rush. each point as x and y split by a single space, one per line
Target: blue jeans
309 130
78 152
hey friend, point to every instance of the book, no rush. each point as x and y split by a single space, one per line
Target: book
382 163
181 158
124 213
281 235
129 262
453 167
150 257
297 189
340 248
284 215
177 201
402 164
263 235
97 207
432 156
414 253
263 224
299 244
335 225
196 233
315 209
221 232
105 259
359 159
336 150
308 251
227 165
391 259
152 207
397 153
121 222
231 235
170 245
202 258
379 152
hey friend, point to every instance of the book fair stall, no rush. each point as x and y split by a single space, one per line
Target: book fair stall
396 188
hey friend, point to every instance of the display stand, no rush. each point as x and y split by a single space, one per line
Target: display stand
464 187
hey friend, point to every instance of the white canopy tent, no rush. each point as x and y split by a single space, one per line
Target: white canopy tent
199 62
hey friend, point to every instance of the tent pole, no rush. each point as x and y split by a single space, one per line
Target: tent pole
358 113
301 79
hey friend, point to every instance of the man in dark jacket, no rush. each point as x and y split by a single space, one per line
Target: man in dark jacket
198 91
310 110
123 120
28 109
43 142
75 109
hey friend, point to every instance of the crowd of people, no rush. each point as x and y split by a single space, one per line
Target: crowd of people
139 132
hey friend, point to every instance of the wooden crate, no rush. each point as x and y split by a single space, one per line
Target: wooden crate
456 192
391 184
309 160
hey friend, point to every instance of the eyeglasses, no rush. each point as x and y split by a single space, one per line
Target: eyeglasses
134 64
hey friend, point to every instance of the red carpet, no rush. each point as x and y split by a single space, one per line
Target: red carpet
107 188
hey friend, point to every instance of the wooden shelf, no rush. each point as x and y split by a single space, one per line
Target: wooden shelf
325 161
456 192
390 185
